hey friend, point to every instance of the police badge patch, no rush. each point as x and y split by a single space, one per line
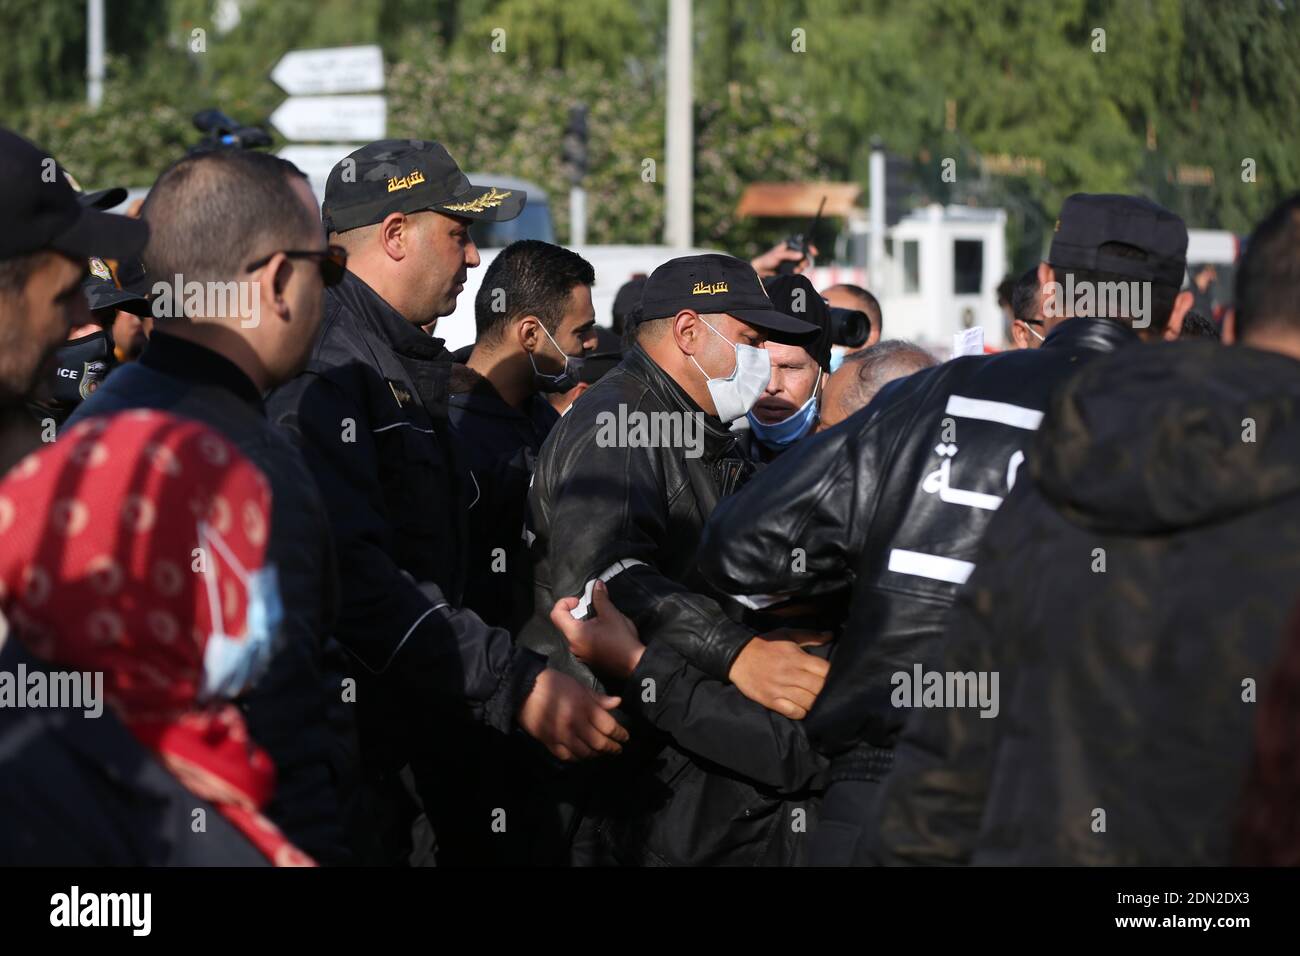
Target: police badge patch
92 373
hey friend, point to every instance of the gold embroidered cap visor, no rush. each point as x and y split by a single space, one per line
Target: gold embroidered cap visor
406 175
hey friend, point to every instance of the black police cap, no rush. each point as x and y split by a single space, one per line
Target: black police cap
408 175
40 210
796 295
718 283
1089 221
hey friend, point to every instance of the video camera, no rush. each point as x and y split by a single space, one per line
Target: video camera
849 327
222 132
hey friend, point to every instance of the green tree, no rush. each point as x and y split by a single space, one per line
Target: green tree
1236 99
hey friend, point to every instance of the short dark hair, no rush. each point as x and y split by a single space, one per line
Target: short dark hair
528 277
870 304
1024 296
1267 290
1005 290
212 213
1198 326
632 327
1162 295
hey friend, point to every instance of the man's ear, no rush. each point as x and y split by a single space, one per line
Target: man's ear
686 331
1182 305
1049 305
273 283
1046 274
528 333
395 235
1019 335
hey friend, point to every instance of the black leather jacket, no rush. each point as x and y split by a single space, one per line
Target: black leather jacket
710 777
1170 535
892 503
592 506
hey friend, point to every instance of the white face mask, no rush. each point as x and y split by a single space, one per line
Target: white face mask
738 392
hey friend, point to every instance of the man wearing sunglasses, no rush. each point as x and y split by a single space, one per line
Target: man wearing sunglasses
238 234
370 414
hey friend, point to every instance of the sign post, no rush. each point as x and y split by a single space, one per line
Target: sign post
323 125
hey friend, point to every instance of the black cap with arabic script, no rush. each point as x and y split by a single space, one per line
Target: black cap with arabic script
408 175
714 282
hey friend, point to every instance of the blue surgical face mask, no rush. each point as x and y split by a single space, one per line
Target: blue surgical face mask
231 665
786 432
837 356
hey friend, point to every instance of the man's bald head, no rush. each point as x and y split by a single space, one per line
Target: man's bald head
864 373
210 214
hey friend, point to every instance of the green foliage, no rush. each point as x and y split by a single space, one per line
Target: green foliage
1237 97
784 89
40 60
563 35
127 142
495 115
748 134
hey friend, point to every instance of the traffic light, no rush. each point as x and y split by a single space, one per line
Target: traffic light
575 144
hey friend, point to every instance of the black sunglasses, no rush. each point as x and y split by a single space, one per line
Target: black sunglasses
333 261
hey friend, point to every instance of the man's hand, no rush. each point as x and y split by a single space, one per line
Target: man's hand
571 721
607 643
767 263
774 670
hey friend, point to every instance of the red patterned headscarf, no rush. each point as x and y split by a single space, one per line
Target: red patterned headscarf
107 563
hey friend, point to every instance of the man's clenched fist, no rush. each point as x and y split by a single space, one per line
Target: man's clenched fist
774 670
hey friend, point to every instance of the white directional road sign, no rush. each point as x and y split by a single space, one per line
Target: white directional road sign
362 118
344 69
316 161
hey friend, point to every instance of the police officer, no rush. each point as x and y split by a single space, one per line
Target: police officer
48 237
622 489
90 353
370 413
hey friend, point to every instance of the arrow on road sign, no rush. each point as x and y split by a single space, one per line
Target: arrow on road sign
344 69
363 118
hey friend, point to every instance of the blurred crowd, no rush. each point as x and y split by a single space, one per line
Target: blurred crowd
725 578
